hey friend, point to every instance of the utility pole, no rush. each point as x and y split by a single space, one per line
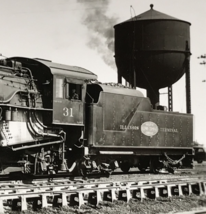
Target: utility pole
203 62
204 59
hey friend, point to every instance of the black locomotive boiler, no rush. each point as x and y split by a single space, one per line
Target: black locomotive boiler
57 118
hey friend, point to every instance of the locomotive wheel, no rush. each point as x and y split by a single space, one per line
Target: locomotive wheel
125 167
82 172
171 170
142 168
81 169
155 165
199 161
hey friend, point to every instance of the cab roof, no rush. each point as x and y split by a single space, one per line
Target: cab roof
48 68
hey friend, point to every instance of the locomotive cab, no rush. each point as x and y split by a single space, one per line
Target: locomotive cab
68 102
63 89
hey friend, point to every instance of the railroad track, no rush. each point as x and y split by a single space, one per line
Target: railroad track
202 211
63 192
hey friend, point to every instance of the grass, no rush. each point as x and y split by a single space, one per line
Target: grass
162 205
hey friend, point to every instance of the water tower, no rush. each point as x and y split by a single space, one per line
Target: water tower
152 51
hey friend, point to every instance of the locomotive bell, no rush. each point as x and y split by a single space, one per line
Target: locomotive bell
151 51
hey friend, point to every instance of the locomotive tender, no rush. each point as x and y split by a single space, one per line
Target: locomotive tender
107 126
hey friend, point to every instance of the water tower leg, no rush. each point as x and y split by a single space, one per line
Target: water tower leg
119 78
188 94
134 79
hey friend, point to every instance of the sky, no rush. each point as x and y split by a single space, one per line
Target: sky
81 33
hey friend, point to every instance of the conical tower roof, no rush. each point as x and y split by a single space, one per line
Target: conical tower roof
152 15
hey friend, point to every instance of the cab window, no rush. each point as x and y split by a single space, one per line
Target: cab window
59 88
73 91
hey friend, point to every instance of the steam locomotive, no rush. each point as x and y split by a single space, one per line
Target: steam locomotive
45 129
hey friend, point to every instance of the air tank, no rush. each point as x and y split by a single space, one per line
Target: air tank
152 51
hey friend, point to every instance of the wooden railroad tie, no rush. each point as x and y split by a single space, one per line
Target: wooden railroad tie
96 195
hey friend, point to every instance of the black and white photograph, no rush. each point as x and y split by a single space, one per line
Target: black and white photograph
103 106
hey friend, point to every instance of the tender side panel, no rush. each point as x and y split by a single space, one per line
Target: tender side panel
126 124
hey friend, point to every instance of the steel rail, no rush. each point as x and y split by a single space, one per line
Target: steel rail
200 211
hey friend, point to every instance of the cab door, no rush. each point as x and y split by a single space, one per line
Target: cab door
67 108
